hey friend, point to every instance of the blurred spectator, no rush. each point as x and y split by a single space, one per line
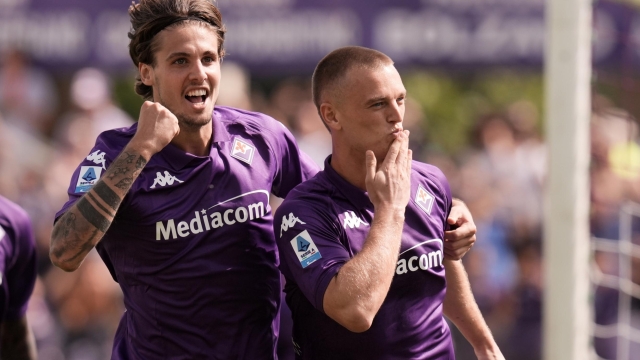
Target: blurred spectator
27 95
94 112
312 136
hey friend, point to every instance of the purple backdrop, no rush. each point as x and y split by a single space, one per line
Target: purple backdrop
289 36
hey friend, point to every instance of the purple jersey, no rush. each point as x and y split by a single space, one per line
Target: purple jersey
17 260
322 224
192 245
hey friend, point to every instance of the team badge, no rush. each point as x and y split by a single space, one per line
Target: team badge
305 249
424 199
89 176
242 150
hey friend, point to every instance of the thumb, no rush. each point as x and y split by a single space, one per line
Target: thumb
371 164
453 217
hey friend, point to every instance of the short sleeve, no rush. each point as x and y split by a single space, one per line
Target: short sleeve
310 247
294 166
21 274
87 174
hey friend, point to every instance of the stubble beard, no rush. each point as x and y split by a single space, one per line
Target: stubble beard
189 123
193 123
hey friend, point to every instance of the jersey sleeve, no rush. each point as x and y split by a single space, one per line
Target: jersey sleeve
21 274
294 166
87 174
309 242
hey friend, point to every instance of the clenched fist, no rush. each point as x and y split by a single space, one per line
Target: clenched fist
157 126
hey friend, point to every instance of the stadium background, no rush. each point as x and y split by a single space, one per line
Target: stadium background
474 74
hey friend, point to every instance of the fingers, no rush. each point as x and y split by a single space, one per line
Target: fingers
371 164
395 149
403 152
409 159
452 253
454 216
466 230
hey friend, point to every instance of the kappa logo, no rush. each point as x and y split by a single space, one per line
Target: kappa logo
242 150
165 180
98 158
289 223
424 199
351 220
305 249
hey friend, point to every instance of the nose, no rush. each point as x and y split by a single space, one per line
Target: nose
396 113
197 74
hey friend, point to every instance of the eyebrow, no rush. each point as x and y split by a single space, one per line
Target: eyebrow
381 98
375 100
186 54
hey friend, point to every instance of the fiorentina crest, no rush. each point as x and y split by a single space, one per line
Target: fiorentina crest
424 199
242 150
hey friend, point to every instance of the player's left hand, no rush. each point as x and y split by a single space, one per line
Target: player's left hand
459 240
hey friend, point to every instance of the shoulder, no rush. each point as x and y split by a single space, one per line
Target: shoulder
313 195
253 123
16 223
428 171
422 171
13 214
113 141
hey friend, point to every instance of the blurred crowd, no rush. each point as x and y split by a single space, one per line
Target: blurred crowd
500 175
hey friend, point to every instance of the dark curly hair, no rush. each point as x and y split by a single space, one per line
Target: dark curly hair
149 17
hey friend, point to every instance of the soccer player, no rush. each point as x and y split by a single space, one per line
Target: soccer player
17 278
177 205
361 243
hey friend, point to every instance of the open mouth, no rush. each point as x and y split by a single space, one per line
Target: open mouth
196 96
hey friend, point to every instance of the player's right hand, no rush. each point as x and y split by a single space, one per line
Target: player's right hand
157 126
389 185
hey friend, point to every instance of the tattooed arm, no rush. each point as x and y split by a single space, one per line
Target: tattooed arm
17 340
83 225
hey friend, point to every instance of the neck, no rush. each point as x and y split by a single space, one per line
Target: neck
350 165
196 141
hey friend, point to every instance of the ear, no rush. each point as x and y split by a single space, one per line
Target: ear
146 73
330 116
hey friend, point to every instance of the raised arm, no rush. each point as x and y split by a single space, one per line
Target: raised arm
83 225
356 293
460 307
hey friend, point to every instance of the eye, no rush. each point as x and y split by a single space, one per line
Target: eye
208 59
379 104
400 100
180 61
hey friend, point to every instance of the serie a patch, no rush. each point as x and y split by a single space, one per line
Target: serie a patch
89 176
424 199
305 249
242 150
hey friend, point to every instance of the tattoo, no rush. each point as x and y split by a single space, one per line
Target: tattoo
93 216
141 162
129 158
67 223
104 209
109 196
85 248
125 183
118 171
